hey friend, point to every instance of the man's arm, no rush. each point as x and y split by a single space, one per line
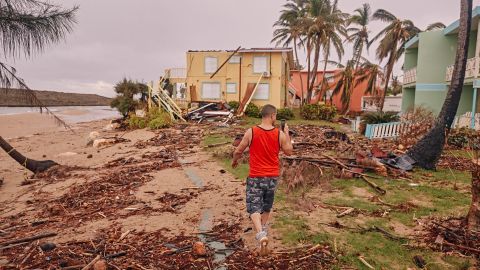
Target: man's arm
237 154
286 141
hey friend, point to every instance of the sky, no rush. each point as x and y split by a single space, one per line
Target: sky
139 39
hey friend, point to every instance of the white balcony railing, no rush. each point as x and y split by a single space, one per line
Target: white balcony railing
471 70
410 76
176 73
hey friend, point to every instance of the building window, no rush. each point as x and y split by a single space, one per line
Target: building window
330 77
262 92
211 90
260 64
235 59
231 88
211 64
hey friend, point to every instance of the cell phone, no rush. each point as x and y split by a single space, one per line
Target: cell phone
282 124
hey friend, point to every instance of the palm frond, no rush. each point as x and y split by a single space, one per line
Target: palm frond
435 26
28 26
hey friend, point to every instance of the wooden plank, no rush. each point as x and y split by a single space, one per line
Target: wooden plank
247 95
193 93
250 96
223 64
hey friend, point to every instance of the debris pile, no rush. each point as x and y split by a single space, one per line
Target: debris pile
451 234
211 112
152 250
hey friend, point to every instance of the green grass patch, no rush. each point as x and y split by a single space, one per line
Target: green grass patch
214 139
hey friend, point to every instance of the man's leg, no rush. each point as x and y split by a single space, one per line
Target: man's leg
254 202
257 221
268 199
265 218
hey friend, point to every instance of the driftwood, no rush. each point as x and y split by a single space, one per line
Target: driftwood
90 264
28 239
346 212
374 186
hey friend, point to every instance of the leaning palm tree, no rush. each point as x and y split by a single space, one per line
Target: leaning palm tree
392 42
358 31
289 29
427 151
27 27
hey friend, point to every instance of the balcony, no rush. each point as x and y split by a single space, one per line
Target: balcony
176 73
471 70
410 76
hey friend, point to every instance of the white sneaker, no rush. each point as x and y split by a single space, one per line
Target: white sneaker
263 240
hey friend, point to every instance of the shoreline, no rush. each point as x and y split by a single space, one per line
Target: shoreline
24 125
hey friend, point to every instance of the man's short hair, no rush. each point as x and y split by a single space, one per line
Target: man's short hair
268 110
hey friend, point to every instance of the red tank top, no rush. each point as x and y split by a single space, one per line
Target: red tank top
264 150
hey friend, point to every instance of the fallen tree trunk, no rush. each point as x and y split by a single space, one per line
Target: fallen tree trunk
34 166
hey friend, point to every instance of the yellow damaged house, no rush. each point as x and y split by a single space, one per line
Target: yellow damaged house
230 75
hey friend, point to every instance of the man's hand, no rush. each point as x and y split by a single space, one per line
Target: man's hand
286 142
234 163
286 131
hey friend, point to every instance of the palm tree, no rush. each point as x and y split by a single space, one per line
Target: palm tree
345 83
289 29
392 42
374 76
28 27
359 33
325 28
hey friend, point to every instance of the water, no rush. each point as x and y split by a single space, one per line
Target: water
71 114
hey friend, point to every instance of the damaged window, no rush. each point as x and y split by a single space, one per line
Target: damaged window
262 92
211 90
211 64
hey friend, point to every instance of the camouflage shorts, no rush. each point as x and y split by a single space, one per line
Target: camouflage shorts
260 194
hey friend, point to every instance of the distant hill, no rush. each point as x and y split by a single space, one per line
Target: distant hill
16 98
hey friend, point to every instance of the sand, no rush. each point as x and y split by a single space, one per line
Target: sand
38 138
26 124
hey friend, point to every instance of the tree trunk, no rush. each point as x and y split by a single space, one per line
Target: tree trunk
32 165
323 79
390 64
309 52
473 218
315 69
299 70
427 151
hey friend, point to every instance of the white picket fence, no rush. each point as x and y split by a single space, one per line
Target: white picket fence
384 130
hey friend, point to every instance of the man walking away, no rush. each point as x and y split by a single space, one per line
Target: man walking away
265 142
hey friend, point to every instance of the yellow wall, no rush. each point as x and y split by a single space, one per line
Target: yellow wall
230 73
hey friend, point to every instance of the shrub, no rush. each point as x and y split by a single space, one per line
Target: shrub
136 122
234 105
318 112
159 119
419 121
285 114
252 110
464 138
377 118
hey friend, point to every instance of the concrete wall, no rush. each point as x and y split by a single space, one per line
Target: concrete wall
408 99
411 58
277 64
435 53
